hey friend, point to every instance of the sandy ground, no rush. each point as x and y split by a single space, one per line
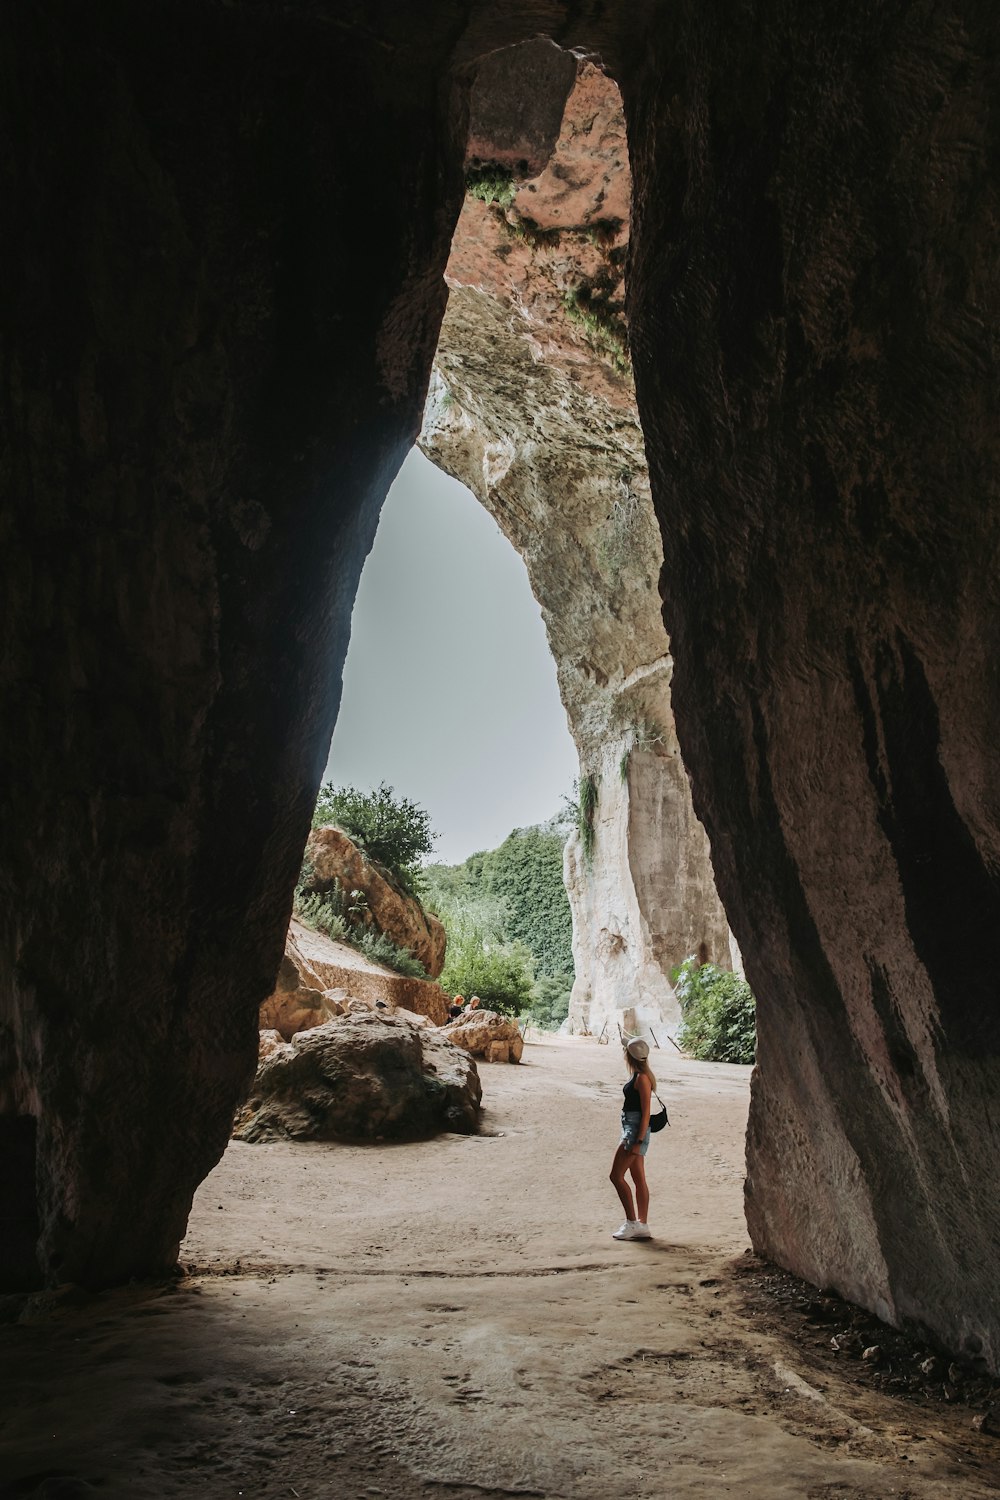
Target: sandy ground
453 1319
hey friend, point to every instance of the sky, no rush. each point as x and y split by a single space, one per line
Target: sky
449 686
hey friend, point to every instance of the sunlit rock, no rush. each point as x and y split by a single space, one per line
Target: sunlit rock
486 1034
532 406
300 999
344 972
334 858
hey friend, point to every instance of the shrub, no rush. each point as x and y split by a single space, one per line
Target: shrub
479 961
341 917
393 831
718 1013
382 950
323 911
492 183
603 327
550 1001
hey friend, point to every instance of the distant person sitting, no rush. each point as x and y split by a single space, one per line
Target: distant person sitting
474 1003
456 1007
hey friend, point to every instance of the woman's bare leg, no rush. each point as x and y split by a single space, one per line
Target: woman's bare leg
618 1169
637 1167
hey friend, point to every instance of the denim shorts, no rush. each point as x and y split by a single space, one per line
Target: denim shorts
631 1120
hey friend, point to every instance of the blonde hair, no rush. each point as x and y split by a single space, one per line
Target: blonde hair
641 1067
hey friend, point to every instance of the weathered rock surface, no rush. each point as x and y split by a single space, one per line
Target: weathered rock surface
532 406
342 969
271 1041
208 385
300 999
819 396
486 1034
336 858
365 1076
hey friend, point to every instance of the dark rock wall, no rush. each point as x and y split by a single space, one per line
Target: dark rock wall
219 318
814 301
219 315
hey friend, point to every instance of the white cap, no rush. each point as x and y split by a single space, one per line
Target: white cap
638 1049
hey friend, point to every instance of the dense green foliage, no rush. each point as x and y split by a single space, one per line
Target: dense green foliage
719 1022
526 874
550 1001
508 922
480 962
393 831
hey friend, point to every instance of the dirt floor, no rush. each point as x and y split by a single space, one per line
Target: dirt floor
453 1319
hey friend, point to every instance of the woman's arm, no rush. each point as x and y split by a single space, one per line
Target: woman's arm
645 1088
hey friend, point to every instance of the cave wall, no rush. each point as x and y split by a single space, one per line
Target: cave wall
219 315
814 312
218 325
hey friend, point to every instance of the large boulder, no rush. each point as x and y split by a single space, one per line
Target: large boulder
335 857
369 1075
486 1034
300 999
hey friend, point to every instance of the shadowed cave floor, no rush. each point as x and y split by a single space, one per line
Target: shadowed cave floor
452 1319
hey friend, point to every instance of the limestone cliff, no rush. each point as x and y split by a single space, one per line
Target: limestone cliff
532 406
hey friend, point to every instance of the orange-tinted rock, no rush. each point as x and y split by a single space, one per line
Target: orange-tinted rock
486 1034
299 1000
335 857
340 968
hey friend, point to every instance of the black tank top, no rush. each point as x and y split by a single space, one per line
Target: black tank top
632 1102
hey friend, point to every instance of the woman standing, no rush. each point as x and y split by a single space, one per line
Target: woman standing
638 1094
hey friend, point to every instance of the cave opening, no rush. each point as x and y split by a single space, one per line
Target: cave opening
192 460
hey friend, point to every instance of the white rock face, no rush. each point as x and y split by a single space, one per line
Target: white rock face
535 412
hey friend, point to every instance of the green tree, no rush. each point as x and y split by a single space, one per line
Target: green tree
718 1011
393 831
526 873
445 886
550 1000
479 962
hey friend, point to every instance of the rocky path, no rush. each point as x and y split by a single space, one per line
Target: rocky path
453 1320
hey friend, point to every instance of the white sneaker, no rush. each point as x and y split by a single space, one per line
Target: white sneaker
631 1229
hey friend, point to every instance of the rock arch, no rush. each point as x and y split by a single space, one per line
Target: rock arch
532 406
220 316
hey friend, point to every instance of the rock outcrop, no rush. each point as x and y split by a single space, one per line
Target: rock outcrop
532 406
336 860
300 1000
366 1076
486 1034
342 970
